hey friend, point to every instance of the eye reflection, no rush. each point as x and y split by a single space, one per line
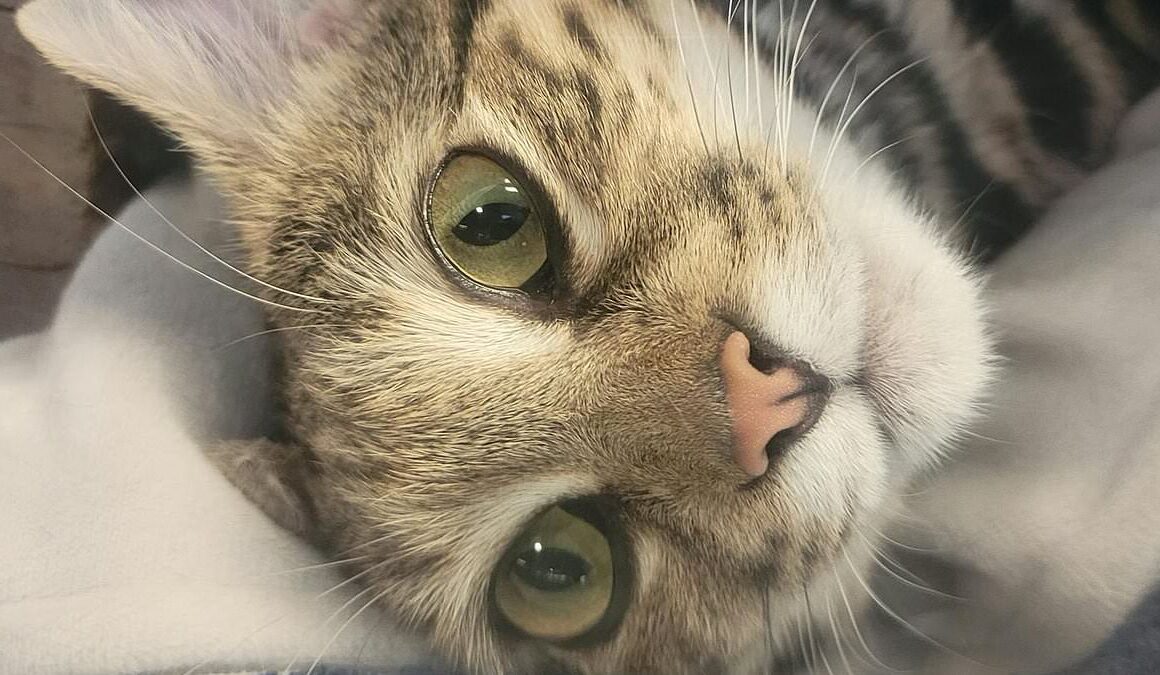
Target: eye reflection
485 225
559 579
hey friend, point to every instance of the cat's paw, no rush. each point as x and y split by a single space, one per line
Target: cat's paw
268 474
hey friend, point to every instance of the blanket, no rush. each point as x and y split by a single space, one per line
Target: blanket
122 550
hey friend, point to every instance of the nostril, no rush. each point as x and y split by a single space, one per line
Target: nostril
773 399
762 360
769 361
780 442
815 401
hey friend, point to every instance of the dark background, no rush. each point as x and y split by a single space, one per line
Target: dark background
43 229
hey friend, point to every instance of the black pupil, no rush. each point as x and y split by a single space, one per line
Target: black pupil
551 569
491 224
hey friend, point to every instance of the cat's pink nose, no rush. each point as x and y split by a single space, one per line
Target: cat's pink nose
771 402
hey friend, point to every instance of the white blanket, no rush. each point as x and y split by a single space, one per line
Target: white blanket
122 550
1048 520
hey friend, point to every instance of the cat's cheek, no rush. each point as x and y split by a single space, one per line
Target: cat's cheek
839 470
813 304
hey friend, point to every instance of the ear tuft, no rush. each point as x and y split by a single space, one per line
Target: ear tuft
203 67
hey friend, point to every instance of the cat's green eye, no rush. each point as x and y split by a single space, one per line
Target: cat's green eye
485 224
561 579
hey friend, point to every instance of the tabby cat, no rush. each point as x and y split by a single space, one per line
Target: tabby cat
613 330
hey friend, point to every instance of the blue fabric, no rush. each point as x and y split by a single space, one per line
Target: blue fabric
1134 649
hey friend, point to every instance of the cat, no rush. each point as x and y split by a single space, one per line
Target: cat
612 332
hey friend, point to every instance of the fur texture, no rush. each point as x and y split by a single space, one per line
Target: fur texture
695 188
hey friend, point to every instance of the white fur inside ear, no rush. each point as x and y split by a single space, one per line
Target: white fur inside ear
204 66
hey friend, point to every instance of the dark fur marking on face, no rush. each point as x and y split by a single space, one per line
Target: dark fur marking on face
597 302
578 121
579 30
466 14
640 15
717 180
812 553
513 45
659 93
586 86
750 573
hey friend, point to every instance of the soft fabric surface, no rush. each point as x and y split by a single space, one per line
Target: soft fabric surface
122 550
1047 522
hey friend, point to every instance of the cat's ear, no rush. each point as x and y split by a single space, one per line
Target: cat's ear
208 69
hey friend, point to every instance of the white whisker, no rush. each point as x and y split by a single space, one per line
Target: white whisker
333 615
307 568
341 628
842 131
716 72
954 228
907 582
272 331
813 639
898 617
345 605
688 77
841 116
278 619
879 151
178 230
838 639
781 70
801 635
899 544
854 623
729 75
145 241
756 60
876 549
833 86
745 45
792 75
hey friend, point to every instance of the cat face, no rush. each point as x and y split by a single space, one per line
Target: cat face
520 234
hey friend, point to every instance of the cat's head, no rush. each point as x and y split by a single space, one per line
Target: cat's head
523 232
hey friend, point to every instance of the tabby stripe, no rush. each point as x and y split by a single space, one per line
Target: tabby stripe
905 158
581 33
1058 101
1141 71
465 16
998 215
